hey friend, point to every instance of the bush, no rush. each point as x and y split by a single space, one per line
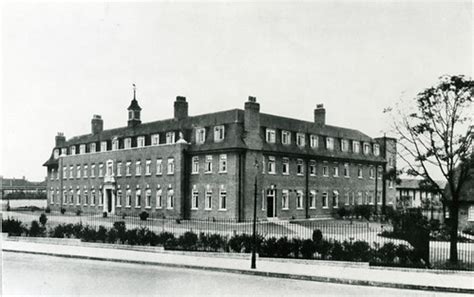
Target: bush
102 234
35 229
269 247
121 229
104 214
89 234
283 247
235 243
63 210
363 211
338 252
361 251
144 216
342 212
308 248
43 219
170 243
296 247
47 209
387 253
132 236
13 227
323 248
468 230
188 241
78 212
216 242
317 235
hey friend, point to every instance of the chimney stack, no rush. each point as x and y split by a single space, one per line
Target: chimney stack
320 115
180 108
97 124
60 140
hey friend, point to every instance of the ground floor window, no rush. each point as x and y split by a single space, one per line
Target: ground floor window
223 199
312 199
86 197
129 198
138 198
170 199
101 195
299 199
159 203
208 199
284 199
195 199
335 199
93 197
324 198
119 198
348 198
148 198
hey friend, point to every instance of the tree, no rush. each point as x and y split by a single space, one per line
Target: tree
435 136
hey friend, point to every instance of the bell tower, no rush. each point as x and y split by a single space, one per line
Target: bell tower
134 110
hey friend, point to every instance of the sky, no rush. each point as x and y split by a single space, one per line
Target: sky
62 62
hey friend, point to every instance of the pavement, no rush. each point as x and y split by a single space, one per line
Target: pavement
322 271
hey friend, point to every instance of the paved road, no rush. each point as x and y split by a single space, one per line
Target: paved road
34 275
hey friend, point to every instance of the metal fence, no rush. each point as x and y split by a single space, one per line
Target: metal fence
340 230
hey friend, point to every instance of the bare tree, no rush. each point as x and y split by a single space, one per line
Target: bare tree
435 137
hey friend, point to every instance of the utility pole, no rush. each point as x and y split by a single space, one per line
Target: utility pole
253 264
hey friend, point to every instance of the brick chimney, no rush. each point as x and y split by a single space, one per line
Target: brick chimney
60 140
180 108
320 115
97 124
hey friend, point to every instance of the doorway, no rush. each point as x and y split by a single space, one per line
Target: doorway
271 203
109 200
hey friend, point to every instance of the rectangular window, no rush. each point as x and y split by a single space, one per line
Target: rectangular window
355 147
371 173
347 197
115 144
325 170
148 198
223 163
359 172
85 171
330 143
286 166
222 199
208 168
470 213
170 137
119 169
299 199
63 151
219 133
346 170
119 198
127 143
284 199
300 139
370 197
138 198
71 171
312 168
313 141
148 167
78 197
299 167
344 145
103 146
92 148
200 135
138 168
93 170
195 198
101 170
109 171
92 197
379 198
335 170
86 197
52 174
170 204
159 200
64 172
324 198
129 198
73 150
155 139
312 199
335 199
195 165
376 149
366 148
170 166
141 141
208 205
270 135
379 172
78 171
285 137
271 165
82 149
359 198
128 170
159 166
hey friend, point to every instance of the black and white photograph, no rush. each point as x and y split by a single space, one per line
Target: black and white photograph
237 148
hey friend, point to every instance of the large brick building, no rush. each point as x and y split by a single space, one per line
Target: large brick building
206 166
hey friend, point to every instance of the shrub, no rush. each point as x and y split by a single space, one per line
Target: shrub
337 251
363 211
317 235
104 214
235 242
120 227
13 227
89 234
468 230
188 241
47 209
132 236
43 219
144 216
171 243
216 242
308 248
342 212
35 229
323 248
76 230
283 247
269 247
360 251
296 247
163 237
387 253
78 212
63 210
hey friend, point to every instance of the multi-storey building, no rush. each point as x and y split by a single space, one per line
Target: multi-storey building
208 166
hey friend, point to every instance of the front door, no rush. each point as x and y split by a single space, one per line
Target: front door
270 203
109 200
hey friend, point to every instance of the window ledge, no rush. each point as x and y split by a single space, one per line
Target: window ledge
193 208
314 207
285 209
208 209
222 209
147 207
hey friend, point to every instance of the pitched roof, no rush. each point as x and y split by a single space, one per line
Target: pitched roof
413 183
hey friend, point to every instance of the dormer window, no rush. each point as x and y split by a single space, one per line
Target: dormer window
155 139
115 144
344 145
170 137
82 149
300 139
63 151
141 141
56 153
200 135
127 143
73 150
376 149
285 137
330 143
103 146
366 148
92 148
313 141
270 135
219 133
355 147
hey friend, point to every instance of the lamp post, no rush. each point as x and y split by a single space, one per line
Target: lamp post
254 231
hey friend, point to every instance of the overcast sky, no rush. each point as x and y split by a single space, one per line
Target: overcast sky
62 63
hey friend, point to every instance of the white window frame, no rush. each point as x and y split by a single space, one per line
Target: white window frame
200 135
347 170
208 199
335 199
299 167
285 197
84 172
78 171
285 166
140 141
347 196
470 213
313 141
119 168
170 137
148 167
356 147
159 166
92 170
148 198
223 163
330 143
92 147
103 146
312 168
127 143
115 144
366 148
138 198
219 133
119 197
271 165
371 172
138 168
222 198
285 137
155 139
195 165
300 139
82 149
376 149
159 199
208 164
71 172
312 199
170 166
170 199
335 171
324 200
195 198
360 172
344 145
325 170
128 198
128 168
299 199
270 135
